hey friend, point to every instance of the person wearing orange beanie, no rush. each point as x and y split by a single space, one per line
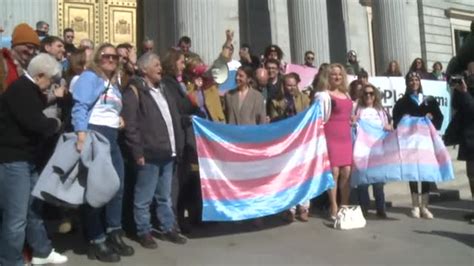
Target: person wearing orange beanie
25 43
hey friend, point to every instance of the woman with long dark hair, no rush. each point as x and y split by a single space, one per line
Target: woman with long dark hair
419 66
393 69
414 103
173 70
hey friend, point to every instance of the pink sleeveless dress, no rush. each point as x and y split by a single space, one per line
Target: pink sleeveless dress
338 132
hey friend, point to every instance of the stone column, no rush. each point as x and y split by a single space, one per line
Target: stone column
278 11
205 22
390 34
309 30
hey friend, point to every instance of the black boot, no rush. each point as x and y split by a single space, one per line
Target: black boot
102 252
174 236
115 242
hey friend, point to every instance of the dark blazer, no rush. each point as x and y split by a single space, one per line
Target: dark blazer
252 111
22 122
463 104
184 104
406 106
185 108
145 130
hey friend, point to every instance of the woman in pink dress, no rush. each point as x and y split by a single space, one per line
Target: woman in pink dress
338 136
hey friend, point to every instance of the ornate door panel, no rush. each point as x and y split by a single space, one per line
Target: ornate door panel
120 18
82 16
99 20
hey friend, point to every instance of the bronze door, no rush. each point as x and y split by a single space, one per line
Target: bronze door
113 21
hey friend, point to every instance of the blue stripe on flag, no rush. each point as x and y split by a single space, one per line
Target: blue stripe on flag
405 172
236 210
255 133
372 129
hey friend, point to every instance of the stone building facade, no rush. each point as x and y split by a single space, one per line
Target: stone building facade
379 30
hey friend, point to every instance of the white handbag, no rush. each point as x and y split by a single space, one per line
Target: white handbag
349 217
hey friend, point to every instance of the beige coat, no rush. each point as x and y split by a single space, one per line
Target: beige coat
212 101
251 112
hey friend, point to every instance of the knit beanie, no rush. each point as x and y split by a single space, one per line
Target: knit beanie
23 34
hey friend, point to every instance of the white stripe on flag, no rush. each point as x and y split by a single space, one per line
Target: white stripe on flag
222 170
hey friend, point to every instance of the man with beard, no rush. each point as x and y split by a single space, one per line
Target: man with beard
14 61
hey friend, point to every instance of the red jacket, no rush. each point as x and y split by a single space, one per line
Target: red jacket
8 70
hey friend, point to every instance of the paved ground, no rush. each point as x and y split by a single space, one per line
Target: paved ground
447 240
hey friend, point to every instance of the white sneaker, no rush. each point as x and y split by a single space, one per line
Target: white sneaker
53 258
415 212
425 213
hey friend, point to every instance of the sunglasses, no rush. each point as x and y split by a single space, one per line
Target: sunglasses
370 93
114 57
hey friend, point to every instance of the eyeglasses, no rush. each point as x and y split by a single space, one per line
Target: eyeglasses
370 93
114 57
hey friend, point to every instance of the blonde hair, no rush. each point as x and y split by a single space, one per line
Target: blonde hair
343 87
94 65
322 83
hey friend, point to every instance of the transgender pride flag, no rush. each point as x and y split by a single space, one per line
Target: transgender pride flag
413 152
253 171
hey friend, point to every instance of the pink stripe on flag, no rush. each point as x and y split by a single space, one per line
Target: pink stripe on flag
245 152
213 189
422 157
422 130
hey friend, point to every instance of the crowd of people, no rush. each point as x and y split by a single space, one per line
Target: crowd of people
142 105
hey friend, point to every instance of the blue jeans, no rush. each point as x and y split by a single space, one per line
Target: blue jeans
95 228
364 198
21 214
154 181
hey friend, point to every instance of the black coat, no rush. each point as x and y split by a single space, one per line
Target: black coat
406 106
185 108
22 123
145 130
463 105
